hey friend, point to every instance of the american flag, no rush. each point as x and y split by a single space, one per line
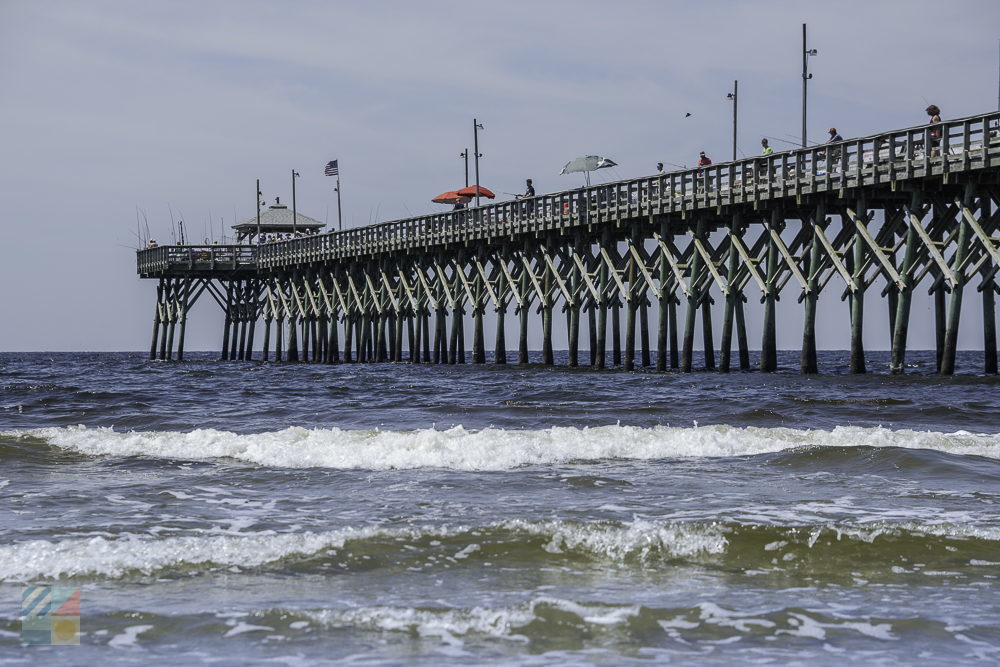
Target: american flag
332 169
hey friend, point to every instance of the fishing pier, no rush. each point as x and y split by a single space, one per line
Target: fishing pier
885 214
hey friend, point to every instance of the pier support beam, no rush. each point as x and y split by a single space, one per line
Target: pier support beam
729 311
693 302
857 298
955 307
988 288
897 364
769 344
808 362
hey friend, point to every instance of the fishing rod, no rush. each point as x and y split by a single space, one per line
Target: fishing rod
808 141
785 141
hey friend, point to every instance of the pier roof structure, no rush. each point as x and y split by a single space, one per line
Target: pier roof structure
277 219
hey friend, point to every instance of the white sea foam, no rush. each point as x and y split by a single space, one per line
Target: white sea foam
490 449
129 638
115 557
101 556
642 541
448 624
520 622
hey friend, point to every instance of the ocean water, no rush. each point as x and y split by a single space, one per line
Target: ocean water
242 513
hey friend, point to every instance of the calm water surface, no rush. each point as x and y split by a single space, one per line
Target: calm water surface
389 514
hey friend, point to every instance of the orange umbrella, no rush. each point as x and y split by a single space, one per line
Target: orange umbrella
450 197
471 192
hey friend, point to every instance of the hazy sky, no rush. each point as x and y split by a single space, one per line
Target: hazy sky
180 106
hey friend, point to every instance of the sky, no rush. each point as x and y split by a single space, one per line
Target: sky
118 109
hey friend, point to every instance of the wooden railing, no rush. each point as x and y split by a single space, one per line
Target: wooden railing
196 258
953 146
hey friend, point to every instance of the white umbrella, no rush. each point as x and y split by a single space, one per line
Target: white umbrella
587 164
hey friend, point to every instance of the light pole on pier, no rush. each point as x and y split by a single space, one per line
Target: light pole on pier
476 126
465 154
258 208
806 52
735 97
295 216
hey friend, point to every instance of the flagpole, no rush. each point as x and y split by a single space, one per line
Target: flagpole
340 224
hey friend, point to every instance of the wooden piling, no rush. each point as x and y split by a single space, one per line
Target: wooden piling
547 356
279 333
265 348
857 297
616 332
630 313
988 288
808 363
592 332
729 309
955 306
522 342
897 364
644 332
602 318
156 319
225 327
706 332
693 302
348 338
769 342
741 336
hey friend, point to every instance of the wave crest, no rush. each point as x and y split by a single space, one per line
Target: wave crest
879 547
488 449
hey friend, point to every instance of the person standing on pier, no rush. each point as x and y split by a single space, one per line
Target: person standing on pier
935 113
760 167
529 191
704 161
659 168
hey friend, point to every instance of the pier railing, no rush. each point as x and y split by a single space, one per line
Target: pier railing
939 149
208 258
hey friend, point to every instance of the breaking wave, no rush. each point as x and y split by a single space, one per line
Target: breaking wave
489 449
880 548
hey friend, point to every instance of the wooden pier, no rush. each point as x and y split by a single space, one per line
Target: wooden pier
885 214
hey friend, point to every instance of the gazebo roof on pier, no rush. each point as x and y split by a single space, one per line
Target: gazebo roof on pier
278 218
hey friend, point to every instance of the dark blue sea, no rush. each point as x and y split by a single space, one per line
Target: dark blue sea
300 514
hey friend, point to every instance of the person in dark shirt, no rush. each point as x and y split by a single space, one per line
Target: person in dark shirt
834 136
935 117
529 190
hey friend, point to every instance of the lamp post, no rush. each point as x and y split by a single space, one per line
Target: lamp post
476 126
735 97
465 154
258 209
295 217
806 52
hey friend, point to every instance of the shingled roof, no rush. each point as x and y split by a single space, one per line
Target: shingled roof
278 218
